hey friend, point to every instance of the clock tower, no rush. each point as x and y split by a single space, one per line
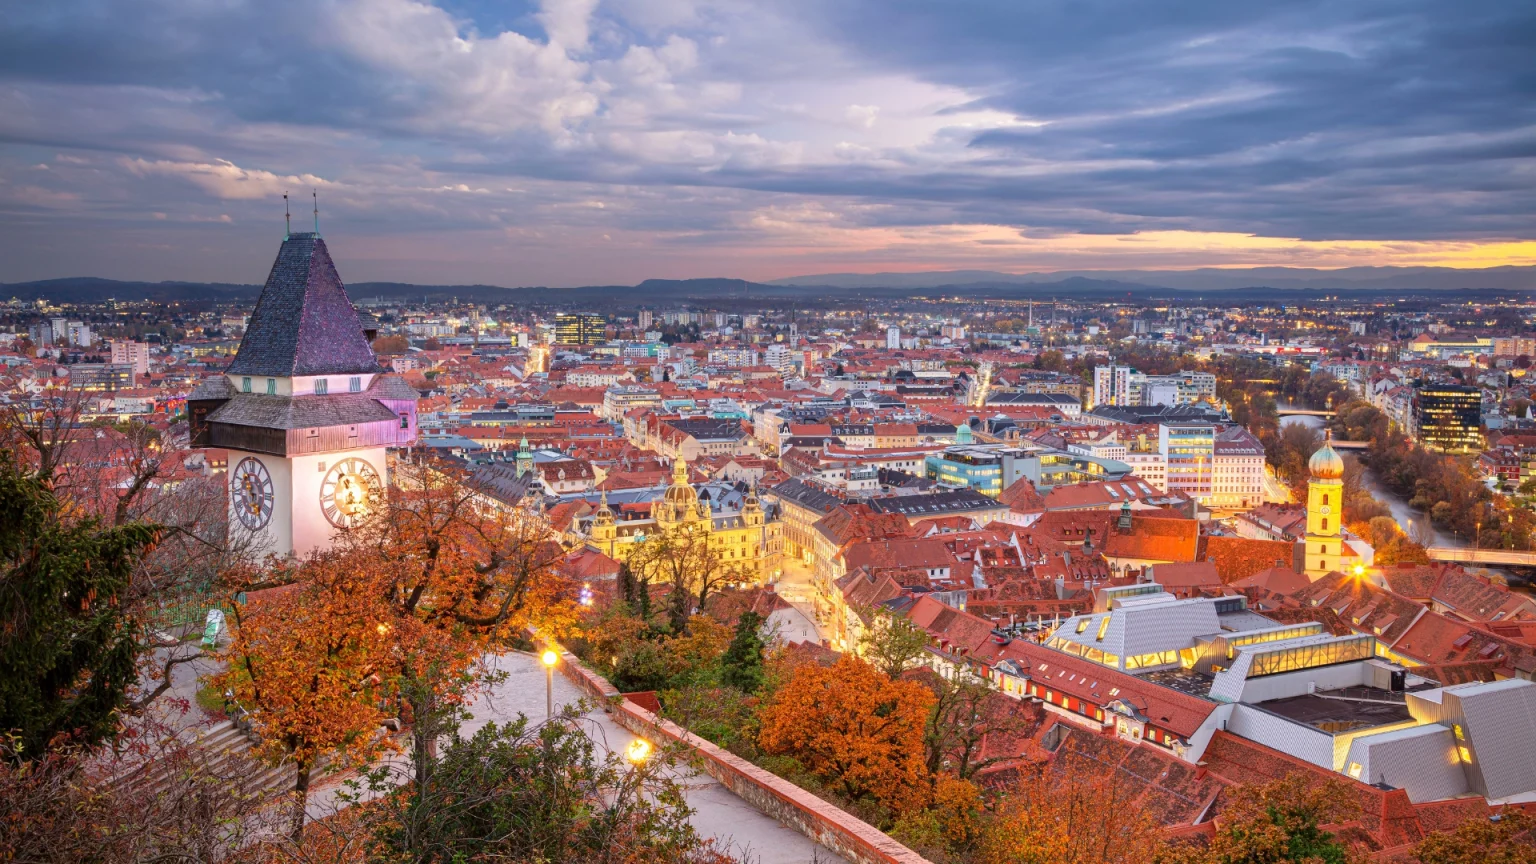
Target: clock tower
304 410
1325 510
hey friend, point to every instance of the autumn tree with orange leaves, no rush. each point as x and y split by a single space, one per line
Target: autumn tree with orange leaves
1076 817
450 575
1509 840
1277 823
854 729
309 660
461 574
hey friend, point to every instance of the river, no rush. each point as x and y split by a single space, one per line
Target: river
1413 522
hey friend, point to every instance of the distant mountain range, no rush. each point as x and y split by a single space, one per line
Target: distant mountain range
1205 279
835 288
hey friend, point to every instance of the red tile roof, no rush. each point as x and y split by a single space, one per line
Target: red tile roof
1280 580
1160 537
1238 558
1164 707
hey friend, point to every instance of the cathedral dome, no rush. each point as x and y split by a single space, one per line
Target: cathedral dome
681 494
680 497
1326 464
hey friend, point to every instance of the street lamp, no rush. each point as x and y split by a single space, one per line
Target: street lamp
550 658
638 751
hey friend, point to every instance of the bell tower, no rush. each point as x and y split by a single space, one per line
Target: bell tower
524 457
304 409
604 527
1325 508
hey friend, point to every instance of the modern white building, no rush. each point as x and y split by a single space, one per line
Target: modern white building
1122 385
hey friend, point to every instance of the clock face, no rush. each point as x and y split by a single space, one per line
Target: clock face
251 487
351 490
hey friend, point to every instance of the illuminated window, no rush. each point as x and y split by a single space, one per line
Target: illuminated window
1456 729
1103 626
1354 770
1082 625
1464 753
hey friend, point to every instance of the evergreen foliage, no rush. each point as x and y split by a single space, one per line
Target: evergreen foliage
68 642
742 663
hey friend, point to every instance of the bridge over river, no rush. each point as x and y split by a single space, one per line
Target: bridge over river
1486 557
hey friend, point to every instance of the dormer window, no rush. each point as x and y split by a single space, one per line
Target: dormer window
322 386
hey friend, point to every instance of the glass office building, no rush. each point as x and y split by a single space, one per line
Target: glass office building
580 328
1448 417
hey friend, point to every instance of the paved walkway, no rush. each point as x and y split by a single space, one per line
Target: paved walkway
718 812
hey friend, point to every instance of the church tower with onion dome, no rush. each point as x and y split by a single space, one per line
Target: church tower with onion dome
304 410
1325 509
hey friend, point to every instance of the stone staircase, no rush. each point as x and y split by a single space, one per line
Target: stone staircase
224 749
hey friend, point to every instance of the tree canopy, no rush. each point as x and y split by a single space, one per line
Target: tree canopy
69 646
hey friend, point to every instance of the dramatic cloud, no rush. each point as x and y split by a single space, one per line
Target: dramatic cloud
582 141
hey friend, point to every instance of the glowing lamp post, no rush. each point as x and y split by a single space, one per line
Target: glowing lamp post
638 751
550 658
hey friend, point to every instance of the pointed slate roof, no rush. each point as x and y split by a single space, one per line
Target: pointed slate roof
304 324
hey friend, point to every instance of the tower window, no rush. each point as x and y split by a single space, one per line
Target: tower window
322 386
1325 523
1325 499
355 384
245 384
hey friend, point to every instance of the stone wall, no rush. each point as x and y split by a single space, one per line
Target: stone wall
855 840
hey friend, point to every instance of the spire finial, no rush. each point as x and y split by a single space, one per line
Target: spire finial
287 218
316 196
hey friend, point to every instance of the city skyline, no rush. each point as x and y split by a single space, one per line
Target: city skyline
576 142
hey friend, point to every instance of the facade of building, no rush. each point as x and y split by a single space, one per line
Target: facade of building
129 353
97 377
1237 476
1448 417
580 328
1124 386
745 538
1189 450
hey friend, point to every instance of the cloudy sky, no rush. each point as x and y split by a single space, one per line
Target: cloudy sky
570 142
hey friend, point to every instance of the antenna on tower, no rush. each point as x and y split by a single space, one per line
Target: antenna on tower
316 196
287 219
